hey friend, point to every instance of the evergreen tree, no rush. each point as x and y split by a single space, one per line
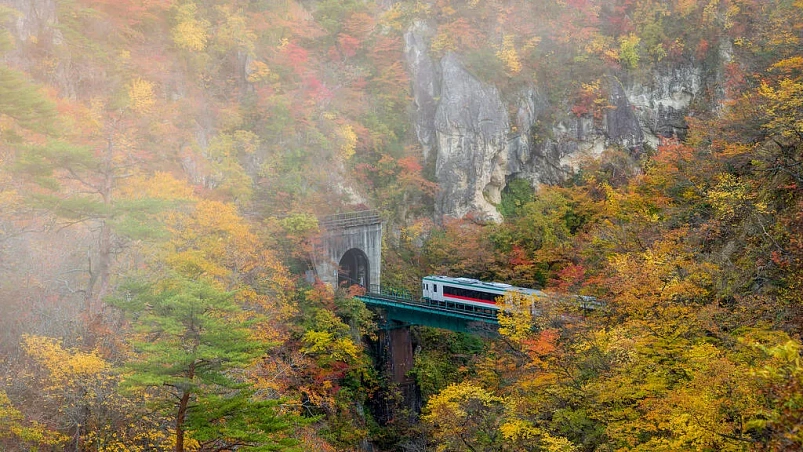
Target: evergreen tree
190 351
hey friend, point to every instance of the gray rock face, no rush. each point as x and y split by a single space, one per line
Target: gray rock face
537 148
36 17
425 79
38 22
622 126
471 127
465 126
662 105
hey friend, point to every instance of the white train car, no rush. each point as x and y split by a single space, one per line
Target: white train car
467 291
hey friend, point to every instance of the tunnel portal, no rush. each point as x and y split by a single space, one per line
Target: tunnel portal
351 250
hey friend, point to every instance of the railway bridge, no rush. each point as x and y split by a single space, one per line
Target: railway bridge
351 252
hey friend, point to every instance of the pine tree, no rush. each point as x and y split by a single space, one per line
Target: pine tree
190 351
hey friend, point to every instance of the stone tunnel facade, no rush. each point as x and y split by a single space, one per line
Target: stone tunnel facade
351 250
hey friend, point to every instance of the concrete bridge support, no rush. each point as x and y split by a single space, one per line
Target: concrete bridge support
393 356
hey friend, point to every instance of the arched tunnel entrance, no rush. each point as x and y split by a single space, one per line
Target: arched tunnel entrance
354 268
351 250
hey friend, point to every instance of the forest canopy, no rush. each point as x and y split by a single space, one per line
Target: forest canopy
164 165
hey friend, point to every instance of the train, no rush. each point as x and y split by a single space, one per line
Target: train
469 294
468 291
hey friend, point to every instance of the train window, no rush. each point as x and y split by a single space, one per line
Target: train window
435 288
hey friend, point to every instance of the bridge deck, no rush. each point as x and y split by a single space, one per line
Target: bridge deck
405 310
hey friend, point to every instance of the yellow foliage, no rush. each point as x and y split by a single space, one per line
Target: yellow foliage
628 51
260 72
442 43
517 429
64 366
214 242
140 95
729 196
189 33
515 316
449 405
686 7
337 348
532 43
710 11
557 444
235 32
160 185
349 146
784 104
508 55
13 426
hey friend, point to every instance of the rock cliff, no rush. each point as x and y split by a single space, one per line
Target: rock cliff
464 124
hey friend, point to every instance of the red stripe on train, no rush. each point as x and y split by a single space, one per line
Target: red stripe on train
469 299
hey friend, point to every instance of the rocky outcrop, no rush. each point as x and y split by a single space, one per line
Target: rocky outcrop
36 25
426 89
464 125
540 149
471 127
662 104
35 18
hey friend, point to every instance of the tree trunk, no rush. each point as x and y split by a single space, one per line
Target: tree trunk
181 416
100 274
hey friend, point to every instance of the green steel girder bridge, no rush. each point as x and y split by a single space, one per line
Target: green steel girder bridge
351 254
402 310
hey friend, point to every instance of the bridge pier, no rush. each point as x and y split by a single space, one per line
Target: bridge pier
401 355
393 353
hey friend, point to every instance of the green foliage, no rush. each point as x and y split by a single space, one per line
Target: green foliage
445 358
241 419
191 344
629 51
331 14
484 64
24 102
694 248
516 194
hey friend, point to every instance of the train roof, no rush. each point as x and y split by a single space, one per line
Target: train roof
483 285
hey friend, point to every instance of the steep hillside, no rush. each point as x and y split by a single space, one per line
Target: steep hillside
164 163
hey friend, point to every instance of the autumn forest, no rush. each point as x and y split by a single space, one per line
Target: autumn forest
164 165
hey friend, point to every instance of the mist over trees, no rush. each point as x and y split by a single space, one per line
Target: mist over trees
163 164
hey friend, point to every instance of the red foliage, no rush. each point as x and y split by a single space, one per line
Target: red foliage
131 12
702 49
410 164
359 25
518 257
674 49
348 45
577 3
568 278
543 344
355 290
734 79
332 54
320 293
296 56
316 90
579 110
